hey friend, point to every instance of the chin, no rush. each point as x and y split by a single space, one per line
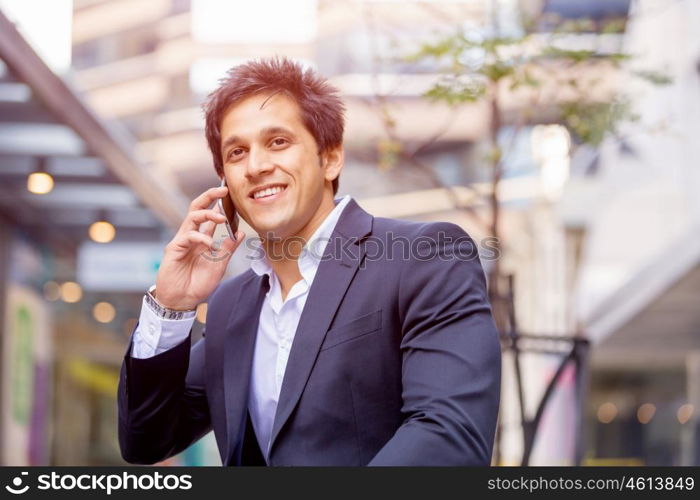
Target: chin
278 229
280 224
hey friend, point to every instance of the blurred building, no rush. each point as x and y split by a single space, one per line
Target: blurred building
640 276
153 70
575 257
81 225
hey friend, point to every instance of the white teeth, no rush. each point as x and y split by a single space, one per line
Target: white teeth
267 192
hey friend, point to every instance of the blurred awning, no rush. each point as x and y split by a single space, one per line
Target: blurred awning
45 126
654 319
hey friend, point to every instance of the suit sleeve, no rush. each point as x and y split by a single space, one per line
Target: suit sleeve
451 359
162 403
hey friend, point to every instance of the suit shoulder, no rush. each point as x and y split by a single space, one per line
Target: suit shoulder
426 244
413 229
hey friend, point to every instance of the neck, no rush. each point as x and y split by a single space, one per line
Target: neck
285 252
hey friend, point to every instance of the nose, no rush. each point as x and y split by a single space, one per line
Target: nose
259 162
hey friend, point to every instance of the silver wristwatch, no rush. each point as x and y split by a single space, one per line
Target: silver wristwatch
164 312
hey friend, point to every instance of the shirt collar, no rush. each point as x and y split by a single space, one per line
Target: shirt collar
311 254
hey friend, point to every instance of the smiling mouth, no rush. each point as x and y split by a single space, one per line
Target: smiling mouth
268 192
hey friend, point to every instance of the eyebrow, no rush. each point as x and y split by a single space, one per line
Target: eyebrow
264 132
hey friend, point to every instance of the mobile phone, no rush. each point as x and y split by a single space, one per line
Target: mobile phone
229 210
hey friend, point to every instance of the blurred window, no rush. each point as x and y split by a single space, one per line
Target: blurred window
250 22
364 51
599 13
111 48
645 424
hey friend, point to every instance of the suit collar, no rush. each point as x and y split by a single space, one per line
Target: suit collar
239 342
341 259
354 223
313 249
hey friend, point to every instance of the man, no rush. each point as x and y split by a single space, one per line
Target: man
352 340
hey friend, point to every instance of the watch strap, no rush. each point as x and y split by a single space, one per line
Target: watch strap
164 312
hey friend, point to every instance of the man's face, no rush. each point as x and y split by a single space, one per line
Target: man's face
276 178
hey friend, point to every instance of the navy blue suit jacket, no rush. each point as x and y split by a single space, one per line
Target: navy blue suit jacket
396 360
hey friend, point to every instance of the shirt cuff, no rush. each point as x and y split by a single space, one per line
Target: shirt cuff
154 335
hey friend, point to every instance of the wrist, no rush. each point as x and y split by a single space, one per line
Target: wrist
165 311
165 304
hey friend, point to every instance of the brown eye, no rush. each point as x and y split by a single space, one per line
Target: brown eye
234 153
280 141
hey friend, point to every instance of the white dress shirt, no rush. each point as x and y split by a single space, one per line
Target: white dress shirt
276 328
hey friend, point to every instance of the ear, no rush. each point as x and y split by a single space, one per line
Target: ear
332 161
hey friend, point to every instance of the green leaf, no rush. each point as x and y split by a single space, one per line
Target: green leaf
613 26
530 80
653 77
457 91
577 56
493 155
496 71
591 122
388 151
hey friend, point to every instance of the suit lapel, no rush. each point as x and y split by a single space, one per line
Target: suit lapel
342 257
239 343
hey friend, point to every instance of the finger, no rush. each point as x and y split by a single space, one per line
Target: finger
194 219
208 228
193 238
208 197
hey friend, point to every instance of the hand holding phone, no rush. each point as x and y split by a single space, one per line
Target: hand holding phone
188 274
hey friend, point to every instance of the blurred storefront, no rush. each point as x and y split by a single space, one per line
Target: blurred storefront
639 290
645 387
70 193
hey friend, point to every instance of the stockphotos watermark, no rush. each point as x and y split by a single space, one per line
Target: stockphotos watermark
106 483
390 247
